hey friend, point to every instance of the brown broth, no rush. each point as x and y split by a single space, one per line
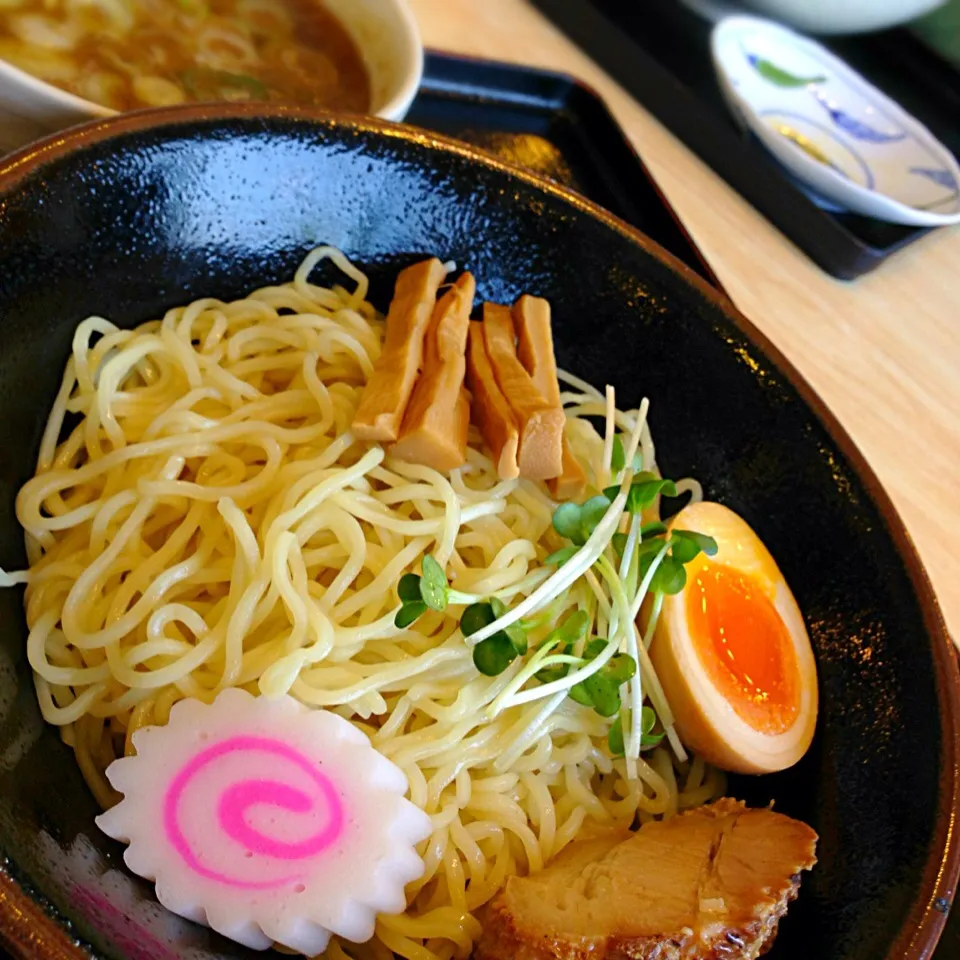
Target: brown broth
128 54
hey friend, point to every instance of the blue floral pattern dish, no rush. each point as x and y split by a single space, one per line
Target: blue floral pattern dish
857 129
848 142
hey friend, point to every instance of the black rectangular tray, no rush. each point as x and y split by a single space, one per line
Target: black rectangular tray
555 126
659 50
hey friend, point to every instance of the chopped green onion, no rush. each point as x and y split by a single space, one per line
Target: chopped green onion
653 529
493 655
644 489
516 632
409 588
618 458
594 648
205 83
600 690
670 578
433 584
580 693
475 617
517 637
652 621
620 668
566 520
683 551
540 659
648 739
648 719
431 587
482 614
408 613
573 629
577 521
556 671
651 560
603 692
560 557
615 738
565 637
591 513
707 544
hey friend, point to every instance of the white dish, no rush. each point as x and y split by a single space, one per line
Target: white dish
821 16
832 129
385 32
843 16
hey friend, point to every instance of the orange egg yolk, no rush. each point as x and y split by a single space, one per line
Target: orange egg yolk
744 646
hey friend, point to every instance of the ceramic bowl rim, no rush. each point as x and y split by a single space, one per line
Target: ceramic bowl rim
31 928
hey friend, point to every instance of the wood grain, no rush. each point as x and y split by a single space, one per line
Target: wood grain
883 352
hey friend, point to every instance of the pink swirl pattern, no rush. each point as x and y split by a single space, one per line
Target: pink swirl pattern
237 800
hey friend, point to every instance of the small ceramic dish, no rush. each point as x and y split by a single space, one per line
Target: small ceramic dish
385 32
850 143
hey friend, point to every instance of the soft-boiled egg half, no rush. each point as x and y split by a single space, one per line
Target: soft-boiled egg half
733 654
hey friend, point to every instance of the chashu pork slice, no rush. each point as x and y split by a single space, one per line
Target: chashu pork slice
711 884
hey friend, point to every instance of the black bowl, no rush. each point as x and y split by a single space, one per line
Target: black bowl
132 215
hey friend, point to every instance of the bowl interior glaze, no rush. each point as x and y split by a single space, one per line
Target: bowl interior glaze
132 215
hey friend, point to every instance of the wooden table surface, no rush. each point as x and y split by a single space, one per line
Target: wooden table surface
883 351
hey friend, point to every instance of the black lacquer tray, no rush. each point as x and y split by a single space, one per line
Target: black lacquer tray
659 51
555 126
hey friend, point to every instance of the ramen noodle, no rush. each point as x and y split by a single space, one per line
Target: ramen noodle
202 517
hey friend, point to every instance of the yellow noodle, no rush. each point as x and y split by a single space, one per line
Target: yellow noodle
212 521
